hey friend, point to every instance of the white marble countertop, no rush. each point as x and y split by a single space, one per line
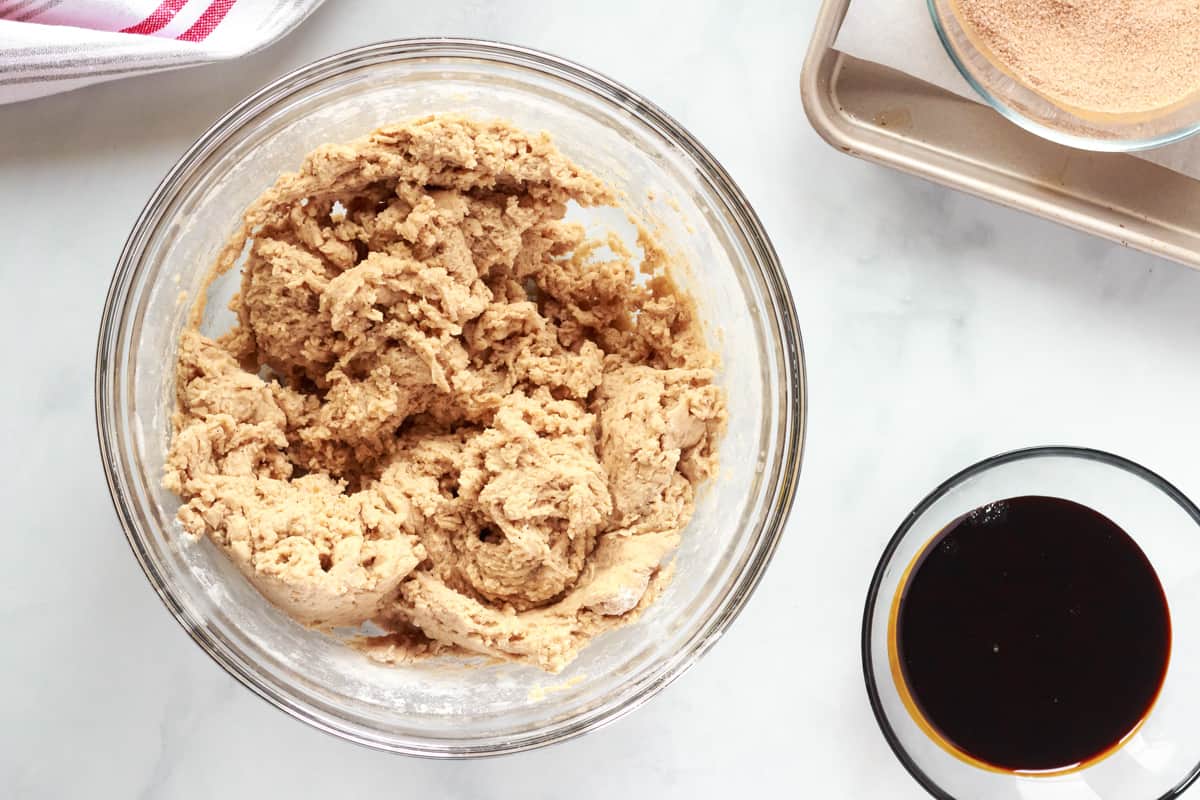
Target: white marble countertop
939 329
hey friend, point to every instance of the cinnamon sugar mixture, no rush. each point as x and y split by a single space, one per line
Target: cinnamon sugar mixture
1102 56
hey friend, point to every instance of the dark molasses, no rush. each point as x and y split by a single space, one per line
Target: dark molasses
1032 634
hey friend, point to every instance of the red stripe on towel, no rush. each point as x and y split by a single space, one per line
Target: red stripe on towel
157 20
208 21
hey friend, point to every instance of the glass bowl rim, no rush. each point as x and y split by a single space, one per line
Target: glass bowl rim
978 468
1044 131
777 497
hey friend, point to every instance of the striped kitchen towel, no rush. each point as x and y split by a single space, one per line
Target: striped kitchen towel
49 46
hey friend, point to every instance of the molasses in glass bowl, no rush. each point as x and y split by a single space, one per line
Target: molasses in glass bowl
1032 631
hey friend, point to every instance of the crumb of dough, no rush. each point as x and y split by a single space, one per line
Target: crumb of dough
539 693
444 409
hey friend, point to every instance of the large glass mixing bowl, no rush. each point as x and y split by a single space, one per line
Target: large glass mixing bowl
428 708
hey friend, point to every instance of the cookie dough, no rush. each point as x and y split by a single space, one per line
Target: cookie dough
444 409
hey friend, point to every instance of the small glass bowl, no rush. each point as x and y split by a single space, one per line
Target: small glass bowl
443 709
1162 757
1116 133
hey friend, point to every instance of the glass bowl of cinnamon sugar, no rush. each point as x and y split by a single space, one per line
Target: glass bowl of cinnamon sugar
1104 75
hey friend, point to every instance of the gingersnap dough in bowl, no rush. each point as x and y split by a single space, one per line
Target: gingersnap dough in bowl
445 410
